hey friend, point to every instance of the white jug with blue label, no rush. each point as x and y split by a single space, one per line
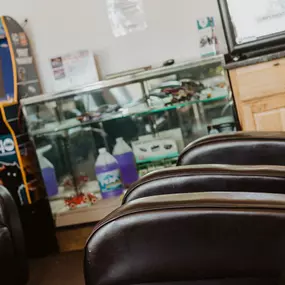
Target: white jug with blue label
108 174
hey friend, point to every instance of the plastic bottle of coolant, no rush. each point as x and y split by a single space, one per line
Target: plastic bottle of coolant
48 172
108 174
126 159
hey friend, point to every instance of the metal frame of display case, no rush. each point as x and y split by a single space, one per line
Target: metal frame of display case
197 106
128 79
121 81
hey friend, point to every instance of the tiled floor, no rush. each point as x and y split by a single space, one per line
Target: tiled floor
66 268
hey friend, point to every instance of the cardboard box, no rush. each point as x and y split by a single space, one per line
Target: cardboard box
154 150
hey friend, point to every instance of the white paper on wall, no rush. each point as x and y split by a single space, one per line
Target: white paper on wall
73 70
126 16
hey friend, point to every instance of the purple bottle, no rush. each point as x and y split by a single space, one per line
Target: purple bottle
126 159
48 172
108 175
50 181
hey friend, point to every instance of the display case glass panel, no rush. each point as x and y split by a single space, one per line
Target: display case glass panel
157 113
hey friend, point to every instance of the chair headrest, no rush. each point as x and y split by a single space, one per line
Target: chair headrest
208 178
243 148
183 238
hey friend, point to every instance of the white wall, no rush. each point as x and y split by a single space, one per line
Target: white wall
59 26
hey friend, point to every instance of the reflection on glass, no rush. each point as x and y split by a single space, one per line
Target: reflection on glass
124 95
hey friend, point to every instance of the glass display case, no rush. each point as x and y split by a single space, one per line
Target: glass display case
157 113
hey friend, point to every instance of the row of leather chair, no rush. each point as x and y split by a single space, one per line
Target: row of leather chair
197 224
216 218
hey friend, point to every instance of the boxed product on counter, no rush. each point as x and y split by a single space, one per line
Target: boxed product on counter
222 125
173 134
153 150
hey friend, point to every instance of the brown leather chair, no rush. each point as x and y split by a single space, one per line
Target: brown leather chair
209 178
193 239
13 261
242 148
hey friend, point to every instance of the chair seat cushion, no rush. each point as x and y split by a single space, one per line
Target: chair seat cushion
206 178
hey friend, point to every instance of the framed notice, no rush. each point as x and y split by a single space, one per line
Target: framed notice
73 70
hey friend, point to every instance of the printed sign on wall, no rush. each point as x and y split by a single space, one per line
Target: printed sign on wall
27 78
126 16
73 70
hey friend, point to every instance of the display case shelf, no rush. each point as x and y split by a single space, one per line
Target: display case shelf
138 77
74 123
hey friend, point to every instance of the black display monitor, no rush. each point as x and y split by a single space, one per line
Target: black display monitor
253 25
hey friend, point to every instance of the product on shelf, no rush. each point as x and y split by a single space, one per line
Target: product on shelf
68 181
153 150
108 174
80 199
90 116
222 125
145 168
48 172
126 159
179 95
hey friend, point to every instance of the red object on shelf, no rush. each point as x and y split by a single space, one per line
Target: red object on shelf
81 180
92 198
67 182
80 199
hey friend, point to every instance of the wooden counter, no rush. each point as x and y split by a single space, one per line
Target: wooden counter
74 226
89 214
259 92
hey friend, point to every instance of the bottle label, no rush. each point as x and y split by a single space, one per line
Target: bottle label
110 181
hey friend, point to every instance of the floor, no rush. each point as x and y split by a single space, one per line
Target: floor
65 268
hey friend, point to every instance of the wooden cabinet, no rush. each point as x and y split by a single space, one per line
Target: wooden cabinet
259 92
